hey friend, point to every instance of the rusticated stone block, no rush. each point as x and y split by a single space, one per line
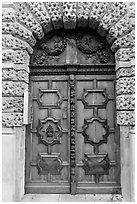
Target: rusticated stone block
12 104
125 54
125 85
125 102
15 75
23 33
54 9
39 10
12 119
83 11
7 55
125 72
125 117
7 27
69 14
10 88
27 19
97 11
10 42
122 27
114 12
8 14
124 42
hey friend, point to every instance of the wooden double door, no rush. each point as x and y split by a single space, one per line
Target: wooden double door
72 143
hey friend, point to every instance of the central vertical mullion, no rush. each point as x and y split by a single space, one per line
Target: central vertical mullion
72 136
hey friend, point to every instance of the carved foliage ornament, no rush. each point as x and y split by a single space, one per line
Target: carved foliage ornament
87 44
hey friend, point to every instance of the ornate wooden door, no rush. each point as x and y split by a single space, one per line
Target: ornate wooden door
48 162
73 146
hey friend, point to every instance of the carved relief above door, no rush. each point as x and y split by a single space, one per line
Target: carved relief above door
72 47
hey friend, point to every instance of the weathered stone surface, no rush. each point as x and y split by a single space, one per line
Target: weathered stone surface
39 10
10 42
55 13
8 14
12 119
69 14
125 85
23 33
7 27
125 102
122 27
7 55
27 19
126 41
18 56
125 54
125 72
125 117
12 104
16 75
114 12
97 11
83 11
10 88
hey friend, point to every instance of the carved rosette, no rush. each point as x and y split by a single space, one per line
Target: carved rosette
73 129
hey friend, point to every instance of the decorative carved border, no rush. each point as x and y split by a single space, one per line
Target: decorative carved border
72 131
72 69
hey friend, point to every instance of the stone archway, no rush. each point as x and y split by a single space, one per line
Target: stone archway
26 23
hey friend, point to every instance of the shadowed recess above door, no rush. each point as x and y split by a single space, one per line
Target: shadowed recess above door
72 47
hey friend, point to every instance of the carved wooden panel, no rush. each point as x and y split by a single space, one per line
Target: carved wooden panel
48 157
49 98
96 164
49 164
97 148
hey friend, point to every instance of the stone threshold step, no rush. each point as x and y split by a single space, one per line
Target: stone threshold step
72 198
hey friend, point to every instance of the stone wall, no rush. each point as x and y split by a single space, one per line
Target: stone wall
24 23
